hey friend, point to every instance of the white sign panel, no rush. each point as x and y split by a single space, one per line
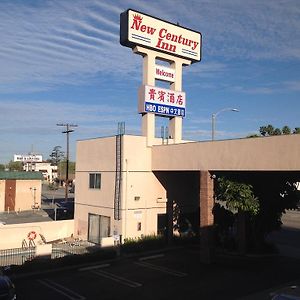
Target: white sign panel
161 101
141 29
164 73
28 158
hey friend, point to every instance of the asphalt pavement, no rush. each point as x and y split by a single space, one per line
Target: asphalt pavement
175 274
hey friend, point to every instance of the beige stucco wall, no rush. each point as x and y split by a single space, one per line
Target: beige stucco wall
95 155
24 199
139 181
98 155
28 193
277 153
2 195
11 236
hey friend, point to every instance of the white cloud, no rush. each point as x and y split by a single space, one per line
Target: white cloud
293 85
56 42
47 45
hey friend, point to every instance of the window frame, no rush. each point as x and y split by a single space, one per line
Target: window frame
102 228
95 181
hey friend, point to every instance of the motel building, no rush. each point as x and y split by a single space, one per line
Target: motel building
132 186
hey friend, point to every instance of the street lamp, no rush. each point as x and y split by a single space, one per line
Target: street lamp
213 120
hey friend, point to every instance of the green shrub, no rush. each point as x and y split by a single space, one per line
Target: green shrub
140 244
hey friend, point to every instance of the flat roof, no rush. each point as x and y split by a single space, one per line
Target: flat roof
20 175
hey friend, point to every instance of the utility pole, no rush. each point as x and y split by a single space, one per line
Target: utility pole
67 131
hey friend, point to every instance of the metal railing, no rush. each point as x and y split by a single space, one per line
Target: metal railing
19 256
16 256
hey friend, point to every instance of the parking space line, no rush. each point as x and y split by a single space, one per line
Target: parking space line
116 278
61 289
151 257
93 267
162 269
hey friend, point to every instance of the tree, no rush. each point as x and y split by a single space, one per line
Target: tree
2 167
269 130
237 196
62 168
56 155
277 131
15 166
296 130
286 130
239 201
275 194
266 130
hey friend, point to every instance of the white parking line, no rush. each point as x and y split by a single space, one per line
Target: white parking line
116 278
161 269
61 289
151 257
93 267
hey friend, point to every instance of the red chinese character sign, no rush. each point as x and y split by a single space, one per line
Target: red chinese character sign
161 101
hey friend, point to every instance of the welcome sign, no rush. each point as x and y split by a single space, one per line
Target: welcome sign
144 30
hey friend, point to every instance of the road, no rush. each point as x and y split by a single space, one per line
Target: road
176 274
288 238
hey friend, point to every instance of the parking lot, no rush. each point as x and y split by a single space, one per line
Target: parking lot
176 274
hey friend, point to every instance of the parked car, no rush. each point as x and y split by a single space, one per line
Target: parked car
7 288
72 189
287 293
65 210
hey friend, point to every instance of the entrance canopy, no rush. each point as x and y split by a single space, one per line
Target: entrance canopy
276 153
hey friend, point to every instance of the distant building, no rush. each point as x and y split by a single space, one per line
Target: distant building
49 172
34 163
20 191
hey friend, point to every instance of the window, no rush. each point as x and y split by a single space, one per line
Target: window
98 227
139 226
95 181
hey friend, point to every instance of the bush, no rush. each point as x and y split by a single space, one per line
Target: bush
149 242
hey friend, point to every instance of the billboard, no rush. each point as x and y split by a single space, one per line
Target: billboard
140 29
28 158
161 101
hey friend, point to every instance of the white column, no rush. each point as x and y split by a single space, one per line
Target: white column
148 119
175 123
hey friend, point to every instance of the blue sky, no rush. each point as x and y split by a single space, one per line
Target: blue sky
61 61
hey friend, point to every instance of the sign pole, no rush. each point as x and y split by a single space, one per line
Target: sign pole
149 63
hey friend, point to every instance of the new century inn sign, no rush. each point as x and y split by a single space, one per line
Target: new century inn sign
144 30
